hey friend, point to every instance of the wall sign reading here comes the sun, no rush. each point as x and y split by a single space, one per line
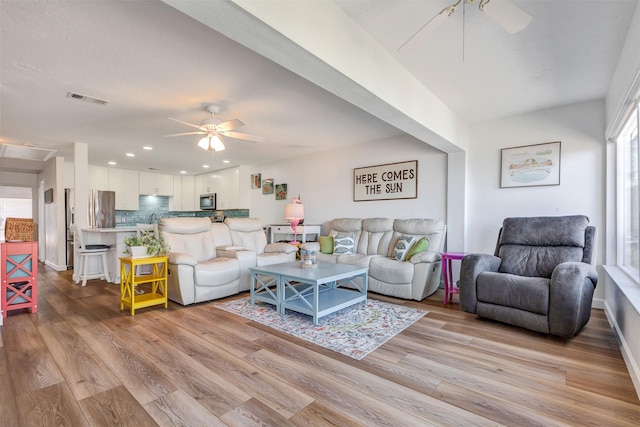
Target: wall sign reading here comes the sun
386 182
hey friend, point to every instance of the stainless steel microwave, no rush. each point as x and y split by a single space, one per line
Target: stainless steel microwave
208 202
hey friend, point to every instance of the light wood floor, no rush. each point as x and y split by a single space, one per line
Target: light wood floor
80 361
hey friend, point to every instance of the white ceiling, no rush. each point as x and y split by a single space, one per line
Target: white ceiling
153 62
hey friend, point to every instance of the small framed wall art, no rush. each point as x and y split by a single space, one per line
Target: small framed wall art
255 180
267 186
530 165
281 191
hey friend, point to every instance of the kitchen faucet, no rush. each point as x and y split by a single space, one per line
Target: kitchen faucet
153 218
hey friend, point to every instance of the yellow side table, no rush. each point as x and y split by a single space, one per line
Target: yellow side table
129 280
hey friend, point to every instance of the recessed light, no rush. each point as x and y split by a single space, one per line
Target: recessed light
183 171
113 163
205 166
130 155
146 147
225 161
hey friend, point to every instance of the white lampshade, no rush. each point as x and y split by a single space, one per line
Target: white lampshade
294 211
211 142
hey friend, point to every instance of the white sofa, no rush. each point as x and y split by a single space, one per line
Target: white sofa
375 240
212 260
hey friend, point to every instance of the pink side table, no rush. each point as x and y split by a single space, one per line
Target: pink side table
449 287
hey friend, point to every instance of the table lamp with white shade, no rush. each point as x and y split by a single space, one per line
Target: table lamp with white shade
295 213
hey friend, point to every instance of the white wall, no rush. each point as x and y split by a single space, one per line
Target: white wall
54 225
580 128
325 183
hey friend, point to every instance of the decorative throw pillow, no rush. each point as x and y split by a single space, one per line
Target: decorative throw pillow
403 245
420 246
344 243
326 244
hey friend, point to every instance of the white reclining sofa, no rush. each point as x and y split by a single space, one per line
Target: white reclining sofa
212 260
376 241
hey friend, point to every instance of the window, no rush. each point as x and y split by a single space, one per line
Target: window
628 197
15 202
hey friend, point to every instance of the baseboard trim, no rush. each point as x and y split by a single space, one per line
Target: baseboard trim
632 367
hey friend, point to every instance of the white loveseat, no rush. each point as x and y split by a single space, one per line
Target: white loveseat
374 243
212 260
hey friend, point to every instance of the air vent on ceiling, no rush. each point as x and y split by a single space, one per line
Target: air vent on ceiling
87 98
25 152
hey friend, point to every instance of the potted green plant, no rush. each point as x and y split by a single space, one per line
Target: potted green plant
149 244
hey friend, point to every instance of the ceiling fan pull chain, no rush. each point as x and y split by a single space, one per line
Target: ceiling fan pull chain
464 18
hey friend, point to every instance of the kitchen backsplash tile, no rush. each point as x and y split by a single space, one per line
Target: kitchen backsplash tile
152 208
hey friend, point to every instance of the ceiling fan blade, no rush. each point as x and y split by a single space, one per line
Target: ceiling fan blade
431 25
186 123
229 125
506 14
243 136
186 133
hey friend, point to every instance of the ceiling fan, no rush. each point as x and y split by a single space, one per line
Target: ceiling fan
503 12
215 131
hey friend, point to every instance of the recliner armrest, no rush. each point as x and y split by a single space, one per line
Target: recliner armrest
425 257
311 246
570 294
182 258
231 248
280 247
472 265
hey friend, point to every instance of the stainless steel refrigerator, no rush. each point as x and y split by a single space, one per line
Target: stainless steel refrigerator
102 209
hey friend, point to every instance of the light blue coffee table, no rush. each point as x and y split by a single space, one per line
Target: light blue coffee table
315 292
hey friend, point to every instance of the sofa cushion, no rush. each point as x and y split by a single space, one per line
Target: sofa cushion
248 233
344 243
420 246
535 261
545 231
389 270
403 244
355 259
433 229
200 246
326 244
376 236
524 293
216 272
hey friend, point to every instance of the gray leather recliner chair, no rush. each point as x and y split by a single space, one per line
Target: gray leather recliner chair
539 278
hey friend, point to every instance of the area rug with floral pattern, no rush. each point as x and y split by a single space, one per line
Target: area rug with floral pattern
353 331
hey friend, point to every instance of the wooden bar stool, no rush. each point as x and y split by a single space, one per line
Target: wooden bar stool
85 252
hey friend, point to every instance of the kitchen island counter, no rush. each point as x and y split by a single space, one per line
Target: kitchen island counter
114 237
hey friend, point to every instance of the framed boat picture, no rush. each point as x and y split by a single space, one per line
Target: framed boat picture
530 165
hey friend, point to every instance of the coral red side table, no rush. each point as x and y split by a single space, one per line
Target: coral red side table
449 287
19 272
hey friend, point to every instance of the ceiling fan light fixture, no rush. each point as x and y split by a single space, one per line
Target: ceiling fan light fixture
211 143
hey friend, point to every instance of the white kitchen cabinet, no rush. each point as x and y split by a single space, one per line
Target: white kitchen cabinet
205 184
156 184
188 193
98 178
226 185
228 188
176 200
183 194
125 183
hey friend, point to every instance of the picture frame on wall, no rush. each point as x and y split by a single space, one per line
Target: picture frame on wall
267 186
530 165
256 180
281 191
